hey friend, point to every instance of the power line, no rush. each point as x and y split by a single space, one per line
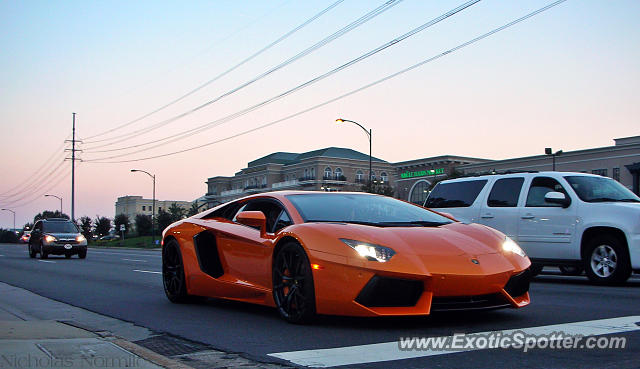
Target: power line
11 192
39 195
36 186
360 21
292 90
426 61
206 50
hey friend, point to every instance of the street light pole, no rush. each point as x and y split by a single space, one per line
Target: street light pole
369 134
14 218
548 151
59 198
153 206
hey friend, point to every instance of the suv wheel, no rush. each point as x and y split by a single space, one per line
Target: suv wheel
82 254
32 252
606 260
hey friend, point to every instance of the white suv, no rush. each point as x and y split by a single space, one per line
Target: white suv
559 218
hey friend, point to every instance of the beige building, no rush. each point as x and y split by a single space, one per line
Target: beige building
329 169
133 205
620 162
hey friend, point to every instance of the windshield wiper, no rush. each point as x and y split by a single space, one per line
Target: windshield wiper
421 223
344 221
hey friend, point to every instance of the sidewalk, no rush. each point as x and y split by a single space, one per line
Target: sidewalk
37 332
29 343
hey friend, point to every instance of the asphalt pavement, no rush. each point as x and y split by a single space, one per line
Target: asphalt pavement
126 285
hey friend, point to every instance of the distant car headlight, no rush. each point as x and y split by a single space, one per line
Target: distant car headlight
510 245
49 239
370 251
81 239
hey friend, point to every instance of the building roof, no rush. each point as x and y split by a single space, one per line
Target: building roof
287 158
276 158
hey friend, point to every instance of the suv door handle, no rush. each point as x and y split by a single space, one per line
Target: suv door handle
527 216
486 216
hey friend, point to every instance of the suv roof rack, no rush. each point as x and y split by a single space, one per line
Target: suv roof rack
495 173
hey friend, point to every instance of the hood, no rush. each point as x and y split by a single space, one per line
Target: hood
64 236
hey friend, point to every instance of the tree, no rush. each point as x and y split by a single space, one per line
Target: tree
122 219
85 227
378 188
143 224
163 220
50 214
101 225
177 212
194 209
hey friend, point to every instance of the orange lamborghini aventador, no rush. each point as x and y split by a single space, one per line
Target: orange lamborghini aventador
340 253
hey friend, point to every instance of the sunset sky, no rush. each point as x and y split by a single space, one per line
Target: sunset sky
567 78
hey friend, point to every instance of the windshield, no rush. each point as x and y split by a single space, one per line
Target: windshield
364 209
60 227
600 189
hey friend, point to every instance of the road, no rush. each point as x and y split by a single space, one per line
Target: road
126 284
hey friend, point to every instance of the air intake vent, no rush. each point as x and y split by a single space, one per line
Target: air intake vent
207 252
390 292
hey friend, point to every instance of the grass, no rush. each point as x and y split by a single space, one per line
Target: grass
143 242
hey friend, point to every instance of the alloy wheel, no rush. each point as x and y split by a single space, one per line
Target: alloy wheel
604 261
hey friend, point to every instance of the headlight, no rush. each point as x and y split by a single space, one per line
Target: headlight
510 245
370 251
49 238
80 238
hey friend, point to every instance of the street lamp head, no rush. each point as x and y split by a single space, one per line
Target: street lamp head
134 170
559 152
339 120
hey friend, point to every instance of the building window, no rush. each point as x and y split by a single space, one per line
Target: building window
159 208
373 175
616 174
600 172
143 208
306 173
339 175
327 173
384 177
313 173
419 192
359 176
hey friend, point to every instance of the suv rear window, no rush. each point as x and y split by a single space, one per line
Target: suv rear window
455 194
505 192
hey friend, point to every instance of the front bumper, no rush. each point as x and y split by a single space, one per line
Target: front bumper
61 249
343 289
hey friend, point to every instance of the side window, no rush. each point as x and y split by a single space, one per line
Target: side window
505 192
455 194
38 227
283 221
227 212
270 209
540 186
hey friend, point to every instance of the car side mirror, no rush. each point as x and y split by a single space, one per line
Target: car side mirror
557 198
253 219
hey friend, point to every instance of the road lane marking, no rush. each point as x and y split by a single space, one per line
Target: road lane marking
389 351
47 261
150 253
141 261
146 271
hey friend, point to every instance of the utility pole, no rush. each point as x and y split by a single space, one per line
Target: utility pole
73 168
73 171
